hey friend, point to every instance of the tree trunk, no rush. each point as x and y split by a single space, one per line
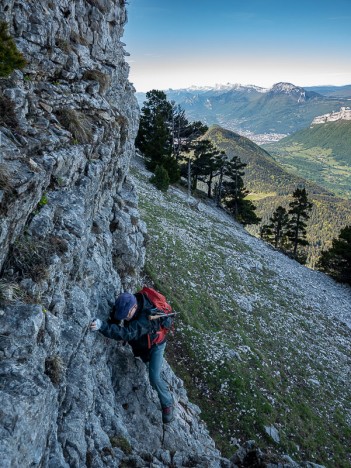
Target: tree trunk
189 178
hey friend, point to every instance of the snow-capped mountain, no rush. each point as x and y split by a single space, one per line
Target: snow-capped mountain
222 88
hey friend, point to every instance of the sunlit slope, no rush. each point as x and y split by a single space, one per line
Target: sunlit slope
256 339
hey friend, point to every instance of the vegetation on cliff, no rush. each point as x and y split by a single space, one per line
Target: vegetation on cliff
10 57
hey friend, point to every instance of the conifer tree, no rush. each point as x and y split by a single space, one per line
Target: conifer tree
234 193
160 179
187 141
154 136
275 232
222 163
336 261
10 58
207 163
299 209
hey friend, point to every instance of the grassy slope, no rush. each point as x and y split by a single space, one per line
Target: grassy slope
321 153
271 185
253 342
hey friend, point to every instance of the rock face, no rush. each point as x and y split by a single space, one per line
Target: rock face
70 240
343 114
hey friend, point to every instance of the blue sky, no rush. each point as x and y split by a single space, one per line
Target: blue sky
179 43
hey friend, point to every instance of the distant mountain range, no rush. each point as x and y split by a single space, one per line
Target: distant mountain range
332 91
251 110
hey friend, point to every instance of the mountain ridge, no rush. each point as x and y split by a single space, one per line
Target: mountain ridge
250 109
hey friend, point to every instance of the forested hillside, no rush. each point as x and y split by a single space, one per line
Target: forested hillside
321 153
260 341
270 186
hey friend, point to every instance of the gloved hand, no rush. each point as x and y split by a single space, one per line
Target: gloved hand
95 324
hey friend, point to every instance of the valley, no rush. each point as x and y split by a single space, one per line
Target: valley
271 184
320 153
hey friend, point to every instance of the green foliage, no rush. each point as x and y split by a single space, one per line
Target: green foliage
172 167
121 443
164 134
276 231
43 201
160 179
154 136
206 164
10 58
336 261
234 193
299 208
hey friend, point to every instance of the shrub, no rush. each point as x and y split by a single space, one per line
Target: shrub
30 257
54 368
160 179
9 292
10 58
121 443
64 45
77 123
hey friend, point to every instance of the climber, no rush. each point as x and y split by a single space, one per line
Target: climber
139 330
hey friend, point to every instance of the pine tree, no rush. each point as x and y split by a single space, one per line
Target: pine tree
10 58
207 164
299 209
186 140
337 260
234 189
234 193
160 179
154 137
275 232
222 164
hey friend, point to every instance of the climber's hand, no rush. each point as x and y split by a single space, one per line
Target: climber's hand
95 324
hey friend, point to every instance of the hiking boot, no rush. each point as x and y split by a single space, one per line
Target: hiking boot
167 414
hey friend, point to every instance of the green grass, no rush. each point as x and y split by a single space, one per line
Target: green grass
246 365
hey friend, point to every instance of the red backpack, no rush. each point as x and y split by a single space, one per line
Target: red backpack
161 305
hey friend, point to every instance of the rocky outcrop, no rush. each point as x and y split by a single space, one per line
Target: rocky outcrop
343 114
70 240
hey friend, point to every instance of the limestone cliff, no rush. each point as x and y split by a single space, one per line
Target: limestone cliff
343 114
70 240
